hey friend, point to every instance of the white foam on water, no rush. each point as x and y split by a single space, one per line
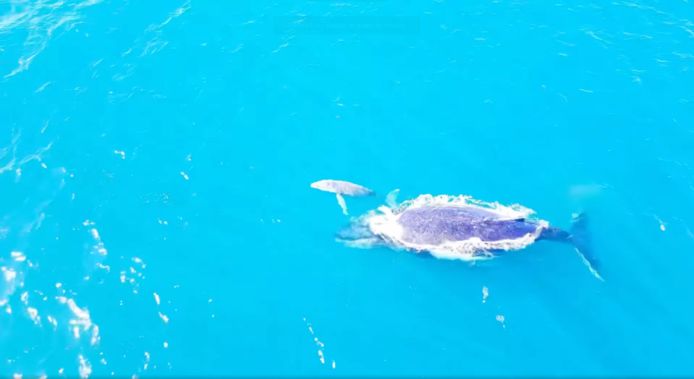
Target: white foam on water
34 315
8 274
95 335
104 267
147 358
661 223
319 344
120 153
501 319
51 320
164 318
82 317
84 368
133 275
67 317
78 322
98 247
13 278
384 223
18 256
485 294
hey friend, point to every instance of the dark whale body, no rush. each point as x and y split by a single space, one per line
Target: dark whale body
456 228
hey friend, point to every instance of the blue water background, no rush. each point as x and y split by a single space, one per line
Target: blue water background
187 134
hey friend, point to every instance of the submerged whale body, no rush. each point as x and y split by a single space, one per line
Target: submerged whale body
459 227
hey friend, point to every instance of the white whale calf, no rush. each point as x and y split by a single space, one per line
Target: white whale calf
339 188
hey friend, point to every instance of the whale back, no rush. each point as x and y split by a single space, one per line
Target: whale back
437 224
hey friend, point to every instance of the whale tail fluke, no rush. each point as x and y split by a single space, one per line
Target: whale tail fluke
580 238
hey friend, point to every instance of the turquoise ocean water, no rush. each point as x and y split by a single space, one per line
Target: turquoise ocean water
156 216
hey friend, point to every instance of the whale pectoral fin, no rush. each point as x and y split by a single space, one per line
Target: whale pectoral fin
359 236
341 202
581 241
392 198
364 243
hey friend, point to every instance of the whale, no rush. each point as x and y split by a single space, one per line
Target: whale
462 228
339 188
